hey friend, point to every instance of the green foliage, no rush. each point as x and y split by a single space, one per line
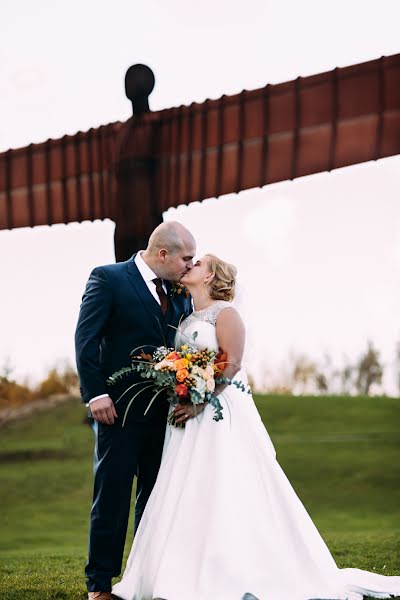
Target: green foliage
120 374
165 381
340 454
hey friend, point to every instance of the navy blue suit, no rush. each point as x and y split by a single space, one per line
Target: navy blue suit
118 314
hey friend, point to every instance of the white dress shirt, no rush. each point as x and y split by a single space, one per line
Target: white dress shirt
148 275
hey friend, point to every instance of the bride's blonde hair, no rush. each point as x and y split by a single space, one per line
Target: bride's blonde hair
222 285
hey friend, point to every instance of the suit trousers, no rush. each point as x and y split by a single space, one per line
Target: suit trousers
121 453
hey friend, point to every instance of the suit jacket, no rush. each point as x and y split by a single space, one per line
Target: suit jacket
118 314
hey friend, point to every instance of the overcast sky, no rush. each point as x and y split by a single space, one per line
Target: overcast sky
318 257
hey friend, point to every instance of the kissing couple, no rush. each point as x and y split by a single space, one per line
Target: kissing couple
215 516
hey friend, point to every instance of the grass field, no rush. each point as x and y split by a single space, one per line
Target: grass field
340 454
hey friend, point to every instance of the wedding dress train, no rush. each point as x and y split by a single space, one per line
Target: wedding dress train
223 519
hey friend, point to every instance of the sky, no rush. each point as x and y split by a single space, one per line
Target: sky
318 257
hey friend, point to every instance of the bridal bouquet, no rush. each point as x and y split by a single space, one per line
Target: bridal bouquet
188 375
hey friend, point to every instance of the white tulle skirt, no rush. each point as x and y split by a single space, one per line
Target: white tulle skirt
223 520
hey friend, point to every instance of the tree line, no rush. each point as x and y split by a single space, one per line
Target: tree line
303 375
59 380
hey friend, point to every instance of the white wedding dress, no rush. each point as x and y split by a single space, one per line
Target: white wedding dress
223 520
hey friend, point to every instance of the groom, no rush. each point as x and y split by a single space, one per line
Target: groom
125 306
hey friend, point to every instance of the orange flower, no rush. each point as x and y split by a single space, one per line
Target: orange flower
182 363
182 390
221 360
182 374
172 356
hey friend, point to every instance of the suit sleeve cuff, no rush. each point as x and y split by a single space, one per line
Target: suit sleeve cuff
97 398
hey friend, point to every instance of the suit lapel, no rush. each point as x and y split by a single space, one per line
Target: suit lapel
176 305
150 303
173 312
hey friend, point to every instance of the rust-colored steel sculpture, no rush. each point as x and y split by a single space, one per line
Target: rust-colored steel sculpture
131 172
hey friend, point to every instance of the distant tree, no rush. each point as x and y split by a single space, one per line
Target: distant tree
59 380
321 383
11 392
69 377
369 370
324 376
279 389
6 370
53 384
303 373
347 374
271 381
299 374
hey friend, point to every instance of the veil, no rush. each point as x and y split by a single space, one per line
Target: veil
239 301
242 303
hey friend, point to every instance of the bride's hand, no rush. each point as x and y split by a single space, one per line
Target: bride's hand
184 412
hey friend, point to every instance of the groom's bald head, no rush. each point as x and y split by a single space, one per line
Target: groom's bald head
170 251
171 236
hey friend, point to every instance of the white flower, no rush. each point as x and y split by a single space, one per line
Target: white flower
161 352
210 383
209 370
200 385
196 370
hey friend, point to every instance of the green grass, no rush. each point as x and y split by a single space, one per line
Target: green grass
340 454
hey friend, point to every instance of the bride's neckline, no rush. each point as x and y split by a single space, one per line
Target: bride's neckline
195 312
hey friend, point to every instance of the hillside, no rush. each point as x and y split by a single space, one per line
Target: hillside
340 454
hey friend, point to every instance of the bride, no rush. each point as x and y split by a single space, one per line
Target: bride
223 521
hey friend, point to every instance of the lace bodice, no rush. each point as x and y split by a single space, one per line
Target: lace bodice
201 322
209 314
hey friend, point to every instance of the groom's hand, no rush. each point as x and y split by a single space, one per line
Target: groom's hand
103 410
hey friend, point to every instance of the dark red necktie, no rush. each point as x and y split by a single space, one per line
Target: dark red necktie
161 294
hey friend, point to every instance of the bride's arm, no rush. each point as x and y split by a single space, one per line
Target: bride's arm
231 338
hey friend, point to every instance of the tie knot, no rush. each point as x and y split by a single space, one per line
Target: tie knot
158 282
